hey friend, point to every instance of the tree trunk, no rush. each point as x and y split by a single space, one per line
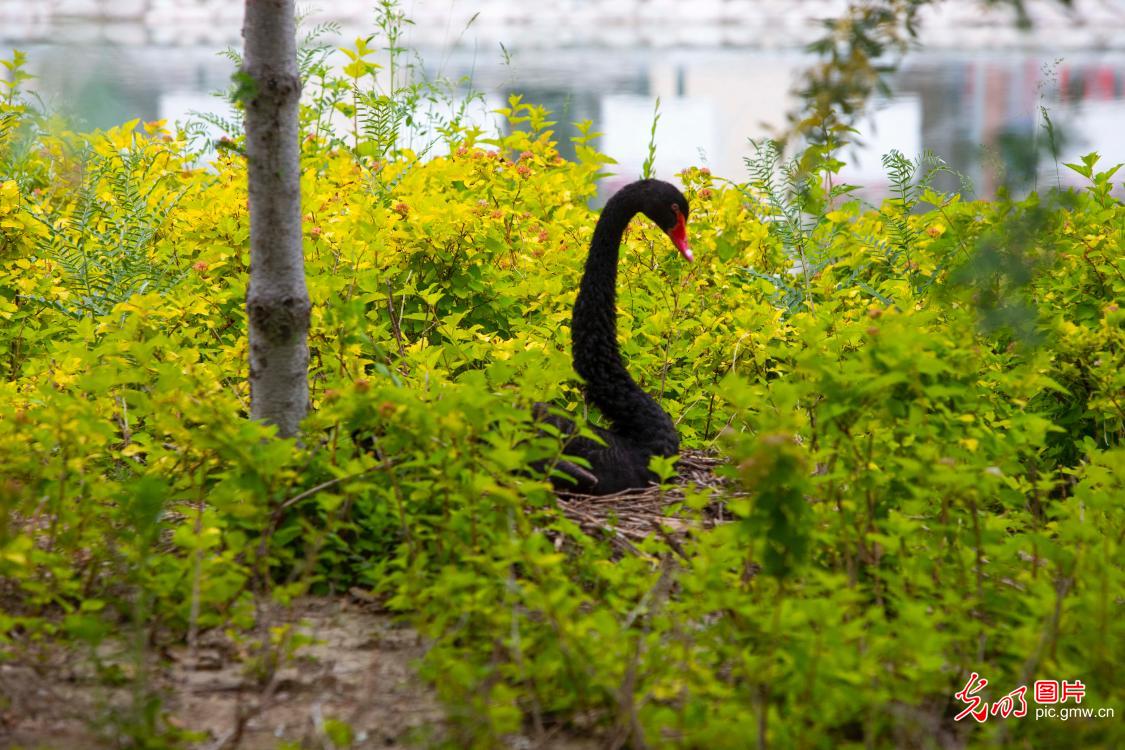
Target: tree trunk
277 301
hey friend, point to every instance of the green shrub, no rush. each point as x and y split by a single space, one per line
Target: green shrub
924 418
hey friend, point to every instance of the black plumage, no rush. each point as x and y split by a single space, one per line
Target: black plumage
639 428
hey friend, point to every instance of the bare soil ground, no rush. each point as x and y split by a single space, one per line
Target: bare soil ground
358 670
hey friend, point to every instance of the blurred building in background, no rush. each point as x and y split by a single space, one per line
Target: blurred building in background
769 24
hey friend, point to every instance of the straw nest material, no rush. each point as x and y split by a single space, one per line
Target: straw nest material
628 517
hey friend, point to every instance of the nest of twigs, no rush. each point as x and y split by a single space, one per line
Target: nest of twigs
628 517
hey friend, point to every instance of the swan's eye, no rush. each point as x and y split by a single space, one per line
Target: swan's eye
676 209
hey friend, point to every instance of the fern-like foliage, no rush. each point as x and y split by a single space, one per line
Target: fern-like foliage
901 172
313 48
795 203
382 117
912 183
403 107
104 240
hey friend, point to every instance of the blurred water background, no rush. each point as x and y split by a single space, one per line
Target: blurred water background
724 70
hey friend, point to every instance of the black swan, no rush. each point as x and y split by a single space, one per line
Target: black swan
640 429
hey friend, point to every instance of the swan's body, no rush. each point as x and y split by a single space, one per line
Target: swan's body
639 429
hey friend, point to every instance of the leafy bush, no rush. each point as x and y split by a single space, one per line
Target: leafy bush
923 410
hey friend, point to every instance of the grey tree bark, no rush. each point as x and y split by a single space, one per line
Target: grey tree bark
277 301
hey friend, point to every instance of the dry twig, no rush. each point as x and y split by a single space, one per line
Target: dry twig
628 517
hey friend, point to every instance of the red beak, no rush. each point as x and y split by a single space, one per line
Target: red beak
678 234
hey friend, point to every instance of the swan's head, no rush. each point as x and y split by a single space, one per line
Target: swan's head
668 208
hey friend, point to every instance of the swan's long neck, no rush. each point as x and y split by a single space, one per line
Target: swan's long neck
597 357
